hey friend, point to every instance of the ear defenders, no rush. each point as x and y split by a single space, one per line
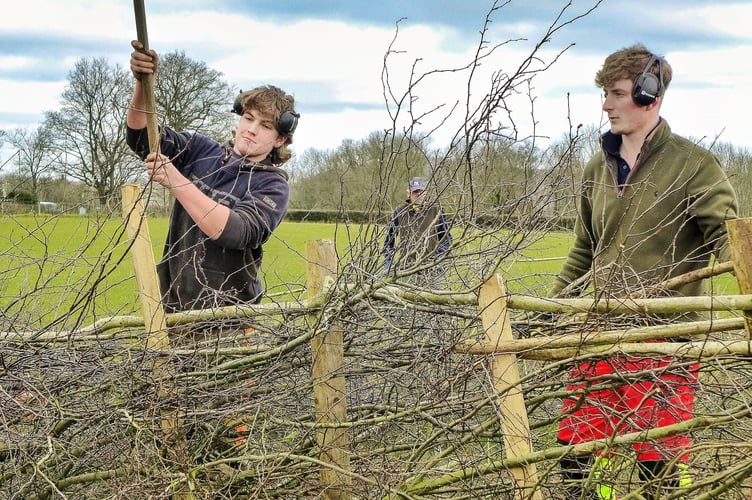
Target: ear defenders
286 124
647 87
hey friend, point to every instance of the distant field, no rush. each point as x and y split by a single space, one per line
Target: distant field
77 269
53 265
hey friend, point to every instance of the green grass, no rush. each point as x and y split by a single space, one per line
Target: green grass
66 270
284 267
533 270
78 269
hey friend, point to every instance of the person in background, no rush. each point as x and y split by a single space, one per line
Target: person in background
418 231
653 205
228 198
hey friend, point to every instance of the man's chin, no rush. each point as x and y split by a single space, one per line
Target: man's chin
242 149
249 153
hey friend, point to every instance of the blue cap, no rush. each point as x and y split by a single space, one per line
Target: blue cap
417 184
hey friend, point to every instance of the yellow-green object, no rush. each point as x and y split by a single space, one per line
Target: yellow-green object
685 479
604 490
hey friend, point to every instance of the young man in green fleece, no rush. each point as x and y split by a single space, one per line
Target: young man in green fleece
653 206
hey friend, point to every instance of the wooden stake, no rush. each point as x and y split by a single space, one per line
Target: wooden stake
329 387
740 242
145 267
154 321
506 379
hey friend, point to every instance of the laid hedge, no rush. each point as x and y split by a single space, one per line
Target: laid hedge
359 217
333 216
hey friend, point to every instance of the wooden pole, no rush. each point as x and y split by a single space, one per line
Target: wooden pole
740 242
145 267
329 387
147 79
155 324
506 379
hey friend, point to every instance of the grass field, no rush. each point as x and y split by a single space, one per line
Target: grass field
52 265
63 270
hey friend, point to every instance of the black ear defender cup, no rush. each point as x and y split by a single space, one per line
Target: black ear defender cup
237 106
647 87
286 124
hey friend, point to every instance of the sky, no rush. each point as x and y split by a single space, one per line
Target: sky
330 54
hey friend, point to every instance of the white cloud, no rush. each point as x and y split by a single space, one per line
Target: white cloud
326 131
16 62
731 20
79 18
708 93
325 60
29 97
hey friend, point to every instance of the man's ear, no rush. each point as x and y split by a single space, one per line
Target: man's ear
655 104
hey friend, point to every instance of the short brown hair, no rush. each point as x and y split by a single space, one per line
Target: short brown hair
271 101
629 63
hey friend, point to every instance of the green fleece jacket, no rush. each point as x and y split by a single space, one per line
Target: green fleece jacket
666 220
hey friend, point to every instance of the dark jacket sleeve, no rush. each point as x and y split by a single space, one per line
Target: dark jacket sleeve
253 219
445 236
391 235
171 143
138 141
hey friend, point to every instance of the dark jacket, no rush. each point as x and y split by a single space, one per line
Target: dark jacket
416 232
667 220
199 273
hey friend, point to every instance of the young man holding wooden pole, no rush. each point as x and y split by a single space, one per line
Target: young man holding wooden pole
653 206
229 199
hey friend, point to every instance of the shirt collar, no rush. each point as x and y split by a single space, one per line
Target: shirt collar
611 143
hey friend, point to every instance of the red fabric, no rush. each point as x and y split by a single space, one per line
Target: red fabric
630 408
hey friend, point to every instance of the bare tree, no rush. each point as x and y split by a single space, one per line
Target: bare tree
563 162
34 158
90 127
192 96
346 178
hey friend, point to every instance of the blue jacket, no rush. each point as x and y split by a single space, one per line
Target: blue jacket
199 273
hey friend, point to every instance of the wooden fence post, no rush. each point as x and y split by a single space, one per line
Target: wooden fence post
154 315
145 267
506 379
329 387
740 242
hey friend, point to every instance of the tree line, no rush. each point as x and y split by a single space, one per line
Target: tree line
78 153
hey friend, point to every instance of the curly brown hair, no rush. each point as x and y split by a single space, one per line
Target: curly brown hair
271 101
629 63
